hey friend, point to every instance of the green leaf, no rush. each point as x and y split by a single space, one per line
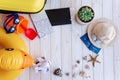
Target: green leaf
85 14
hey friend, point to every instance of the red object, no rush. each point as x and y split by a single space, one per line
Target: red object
29 32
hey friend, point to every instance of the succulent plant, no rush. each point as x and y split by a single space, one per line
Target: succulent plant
86 14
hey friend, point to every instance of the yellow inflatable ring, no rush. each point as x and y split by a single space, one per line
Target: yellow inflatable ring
13 56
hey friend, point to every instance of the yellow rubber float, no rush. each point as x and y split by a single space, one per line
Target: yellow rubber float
13 56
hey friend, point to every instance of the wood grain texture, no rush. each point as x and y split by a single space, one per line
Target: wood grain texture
63 47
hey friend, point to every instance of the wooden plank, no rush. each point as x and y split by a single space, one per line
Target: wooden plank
116 60
46 52
3 17
116 55
98 69
46 47
25 74
55 45
85 51
76 42
66 45
97 7
56 52
35 50
66 51
66 3
108 52
86 3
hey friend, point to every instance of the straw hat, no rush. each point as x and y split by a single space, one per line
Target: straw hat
102 32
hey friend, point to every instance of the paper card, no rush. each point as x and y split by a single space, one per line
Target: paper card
42 24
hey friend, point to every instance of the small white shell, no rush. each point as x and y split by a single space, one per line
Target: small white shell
42 66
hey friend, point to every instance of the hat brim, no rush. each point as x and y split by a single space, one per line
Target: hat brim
91 27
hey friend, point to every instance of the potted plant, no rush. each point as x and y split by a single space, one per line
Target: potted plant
85 15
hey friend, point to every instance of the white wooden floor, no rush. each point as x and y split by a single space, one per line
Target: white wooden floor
64 47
